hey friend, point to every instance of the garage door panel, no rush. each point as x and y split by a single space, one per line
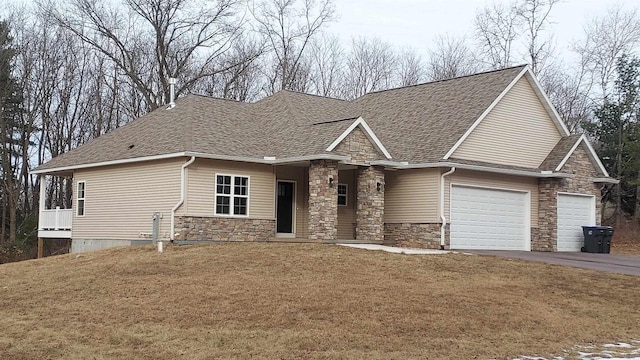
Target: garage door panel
574 211
488 219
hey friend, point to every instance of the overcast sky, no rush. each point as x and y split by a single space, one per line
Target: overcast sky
415 23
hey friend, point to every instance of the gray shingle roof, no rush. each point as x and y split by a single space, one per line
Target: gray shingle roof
416 123
559 152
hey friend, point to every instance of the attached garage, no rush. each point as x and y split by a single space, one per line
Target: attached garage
489 219
574 211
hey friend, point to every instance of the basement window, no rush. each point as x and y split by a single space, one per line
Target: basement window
232 195
80 198
342 194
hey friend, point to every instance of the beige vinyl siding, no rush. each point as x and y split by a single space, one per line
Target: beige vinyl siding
120 200
301 176
201 183
347 214
518 131
411 196
498 181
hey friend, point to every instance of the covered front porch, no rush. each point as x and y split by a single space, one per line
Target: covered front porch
330 202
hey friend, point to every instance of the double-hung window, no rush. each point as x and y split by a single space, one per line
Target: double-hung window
232 195
342 194
80 198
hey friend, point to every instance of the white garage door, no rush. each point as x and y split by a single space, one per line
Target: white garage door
489 219
574 211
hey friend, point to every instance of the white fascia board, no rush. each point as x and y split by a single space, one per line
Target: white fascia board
367 130
480 168
562 127
273 161
607 180
484 114
54 234
592 152
311 157
388 163
110 162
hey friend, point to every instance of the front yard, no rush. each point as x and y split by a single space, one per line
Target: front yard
305 301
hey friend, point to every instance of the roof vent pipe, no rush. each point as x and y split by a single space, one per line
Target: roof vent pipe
172 93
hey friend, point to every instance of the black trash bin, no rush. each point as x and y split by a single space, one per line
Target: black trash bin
606 240
594 238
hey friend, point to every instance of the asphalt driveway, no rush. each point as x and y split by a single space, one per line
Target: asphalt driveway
622 264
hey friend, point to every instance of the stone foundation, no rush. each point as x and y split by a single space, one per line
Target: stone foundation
323 200
193 228
370 204
412 235
538 243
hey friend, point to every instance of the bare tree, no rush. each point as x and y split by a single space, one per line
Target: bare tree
496 29
569 93
241 79
450 57
411 69
539 43
607 37
153 40
289 26
327 66
371 66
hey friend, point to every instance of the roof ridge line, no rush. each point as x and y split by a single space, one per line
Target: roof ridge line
335 121
316 95
444 80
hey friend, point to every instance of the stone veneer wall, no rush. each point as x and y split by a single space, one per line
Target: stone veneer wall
196 228
357 145
370 204
323 200
579 164
412 235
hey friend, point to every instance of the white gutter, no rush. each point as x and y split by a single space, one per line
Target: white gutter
443 218
182 191
441 164
264 160
107 163
606 180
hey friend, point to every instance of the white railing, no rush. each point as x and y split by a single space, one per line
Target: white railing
55 219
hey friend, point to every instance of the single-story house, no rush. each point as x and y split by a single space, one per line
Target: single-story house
475 162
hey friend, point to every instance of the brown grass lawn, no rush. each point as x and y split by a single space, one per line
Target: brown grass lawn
626 248
305 301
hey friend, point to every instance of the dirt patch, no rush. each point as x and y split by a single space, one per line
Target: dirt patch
305 301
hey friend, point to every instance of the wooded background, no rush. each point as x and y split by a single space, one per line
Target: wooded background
73 70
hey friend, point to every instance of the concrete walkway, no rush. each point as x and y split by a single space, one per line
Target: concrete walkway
622 264
396 250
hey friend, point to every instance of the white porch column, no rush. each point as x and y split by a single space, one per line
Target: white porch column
43 196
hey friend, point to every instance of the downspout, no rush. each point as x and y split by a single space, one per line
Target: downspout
182 191
443 228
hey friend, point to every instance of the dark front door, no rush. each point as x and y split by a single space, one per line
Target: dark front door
285 203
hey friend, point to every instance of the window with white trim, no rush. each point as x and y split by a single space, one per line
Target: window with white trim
80 198
232 195
342 194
